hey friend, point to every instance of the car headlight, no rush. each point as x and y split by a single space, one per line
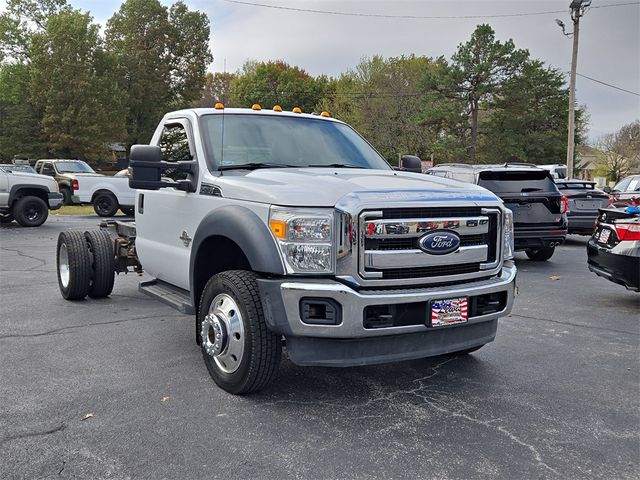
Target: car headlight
507 230
305 238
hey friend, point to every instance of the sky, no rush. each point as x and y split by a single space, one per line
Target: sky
331 44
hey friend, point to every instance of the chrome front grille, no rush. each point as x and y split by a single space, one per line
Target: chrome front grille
389 244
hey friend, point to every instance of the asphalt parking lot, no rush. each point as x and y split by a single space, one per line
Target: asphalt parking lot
116 388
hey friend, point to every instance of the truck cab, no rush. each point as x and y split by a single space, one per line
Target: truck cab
274 226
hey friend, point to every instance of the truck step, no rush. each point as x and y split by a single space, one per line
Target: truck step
173 296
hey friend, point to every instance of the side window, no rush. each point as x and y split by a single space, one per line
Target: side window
47 169
622 186
438 173
174 144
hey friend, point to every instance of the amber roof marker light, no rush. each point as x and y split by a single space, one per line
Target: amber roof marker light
296 110
277 108
256 106
219 106
325 114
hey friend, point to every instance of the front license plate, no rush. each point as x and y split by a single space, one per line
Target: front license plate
449 311
605 233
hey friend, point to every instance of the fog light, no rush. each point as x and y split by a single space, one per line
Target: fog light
320 311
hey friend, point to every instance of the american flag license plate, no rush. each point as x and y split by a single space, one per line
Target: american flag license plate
449 311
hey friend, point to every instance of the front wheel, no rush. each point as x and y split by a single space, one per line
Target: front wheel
6 218
540 254
105 204
30 211
241 354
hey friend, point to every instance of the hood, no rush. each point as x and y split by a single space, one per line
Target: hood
30 177
73 175
324 187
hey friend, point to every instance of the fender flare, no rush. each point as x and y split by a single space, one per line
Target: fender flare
15 188
247 230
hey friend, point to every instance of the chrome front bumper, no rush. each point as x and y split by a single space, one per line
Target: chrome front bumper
281 304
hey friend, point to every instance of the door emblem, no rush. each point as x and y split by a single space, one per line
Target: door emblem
186 239
440 242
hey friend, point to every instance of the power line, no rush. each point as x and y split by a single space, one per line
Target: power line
608 84
414 17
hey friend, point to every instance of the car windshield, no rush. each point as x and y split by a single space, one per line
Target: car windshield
74 167
18 168
261 141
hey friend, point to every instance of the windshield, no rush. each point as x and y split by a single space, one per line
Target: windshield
262 141
74 167
18 168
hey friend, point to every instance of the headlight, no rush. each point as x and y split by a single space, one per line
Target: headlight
305 238
507 230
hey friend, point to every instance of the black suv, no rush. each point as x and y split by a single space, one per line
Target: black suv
539 209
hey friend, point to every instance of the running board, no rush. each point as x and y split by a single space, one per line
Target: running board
173 296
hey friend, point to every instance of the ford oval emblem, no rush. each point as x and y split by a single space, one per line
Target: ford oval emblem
440 242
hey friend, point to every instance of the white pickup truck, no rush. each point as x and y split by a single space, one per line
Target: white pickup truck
281 228
79 183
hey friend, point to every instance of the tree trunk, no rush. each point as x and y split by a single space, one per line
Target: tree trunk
474 130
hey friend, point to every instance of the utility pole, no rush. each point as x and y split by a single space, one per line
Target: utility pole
577 10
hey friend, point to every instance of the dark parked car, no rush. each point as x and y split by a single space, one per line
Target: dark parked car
625 191
584 202
539 209
614 249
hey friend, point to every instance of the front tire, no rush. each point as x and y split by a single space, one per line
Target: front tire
6 218
30 211
105 204
540 254
241 354
73 265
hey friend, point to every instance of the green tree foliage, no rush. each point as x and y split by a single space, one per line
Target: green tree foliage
19 121
216 88
73 84
162 55
476 74
277 83
381 98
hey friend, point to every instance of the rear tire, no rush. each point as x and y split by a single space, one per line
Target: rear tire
105 204
73 265
128 211
241 354
102 265
66 196
541 254
30 211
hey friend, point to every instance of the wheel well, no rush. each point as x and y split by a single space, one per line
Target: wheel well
26 191
216 254
98 192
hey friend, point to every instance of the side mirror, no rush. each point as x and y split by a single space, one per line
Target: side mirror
410 163
147 166
607 189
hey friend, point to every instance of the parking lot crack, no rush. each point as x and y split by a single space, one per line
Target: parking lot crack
86 325
18 436
22 254
560 322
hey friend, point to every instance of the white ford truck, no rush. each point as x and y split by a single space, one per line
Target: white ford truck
281 228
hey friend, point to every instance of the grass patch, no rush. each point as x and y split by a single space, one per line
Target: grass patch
74 210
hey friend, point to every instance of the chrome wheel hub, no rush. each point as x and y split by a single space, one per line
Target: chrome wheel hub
222 333
63 265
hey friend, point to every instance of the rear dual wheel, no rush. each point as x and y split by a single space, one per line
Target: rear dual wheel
85 264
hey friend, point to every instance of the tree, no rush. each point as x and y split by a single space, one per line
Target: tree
73 84
161 56
620 152
217 88
20 133
381 98
277 83
527 122
475 76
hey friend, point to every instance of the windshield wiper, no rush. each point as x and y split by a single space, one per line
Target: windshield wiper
336 165
254 166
